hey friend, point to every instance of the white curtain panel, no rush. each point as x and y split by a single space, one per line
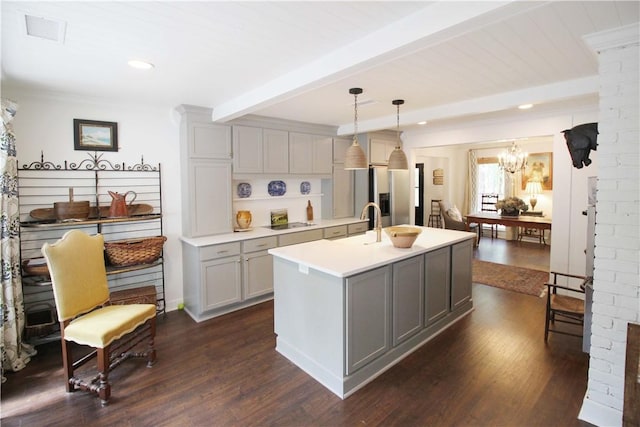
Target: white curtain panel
472 183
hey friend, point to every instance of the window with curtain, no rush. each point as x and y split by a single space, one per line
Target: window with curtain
489 178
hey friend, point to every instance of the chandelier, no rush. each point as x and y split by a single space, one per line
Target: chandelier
513 159
397 159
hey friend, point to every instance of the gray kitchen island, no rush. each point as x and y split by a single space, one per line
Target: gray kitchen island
347 310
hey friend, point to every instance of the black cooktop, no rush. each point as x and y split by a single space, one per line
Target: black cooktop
288 225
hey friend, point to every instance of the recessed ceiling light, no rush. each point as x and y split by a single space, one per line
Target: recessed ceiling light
141 65
525 106
422 122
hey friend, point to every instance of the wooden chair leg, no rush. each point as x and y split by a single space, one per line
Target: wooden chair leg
547 320
151 352
67 365
104 388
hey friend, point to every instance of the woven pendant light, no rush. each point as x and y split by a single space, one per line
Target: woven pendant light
397 159
355 158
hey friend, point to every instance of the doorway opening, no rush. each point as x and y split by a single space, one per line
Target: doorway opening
418 193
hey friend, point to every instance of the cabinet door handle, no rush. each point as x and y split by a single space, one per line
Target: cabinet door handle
261 245
222 252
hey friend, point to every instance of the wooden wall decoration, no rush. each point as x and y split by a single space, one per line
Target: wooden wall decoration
438 176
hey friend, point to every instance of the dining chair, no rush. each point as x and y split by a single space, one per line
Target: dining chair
81 293
566 307
488 204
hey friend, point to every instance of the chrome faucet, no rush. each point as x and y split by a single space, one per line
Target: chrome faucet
378 221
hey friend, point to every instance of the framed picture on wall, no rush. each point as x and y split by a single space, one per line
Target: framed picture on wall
92 135
539 168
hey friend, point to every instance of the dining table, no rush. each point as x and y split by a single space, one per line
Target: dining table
525 221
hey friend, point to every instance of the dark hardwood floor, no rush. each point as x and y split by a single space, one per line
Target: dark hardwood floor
492 368
529 254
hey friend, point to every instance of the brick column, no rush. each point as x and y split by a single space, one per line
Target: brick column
616 298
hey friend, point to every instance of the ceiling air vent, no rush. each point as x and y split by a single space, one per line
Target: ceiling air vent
43 28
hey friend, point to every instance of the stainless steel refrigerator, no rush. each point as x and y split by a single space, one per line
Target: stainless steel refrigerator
390 190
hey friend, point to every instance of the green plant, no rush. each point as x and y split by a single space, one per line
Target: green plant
512 204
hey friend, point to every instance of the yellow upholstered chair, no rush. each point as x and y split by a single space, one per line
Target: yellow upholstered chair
81 292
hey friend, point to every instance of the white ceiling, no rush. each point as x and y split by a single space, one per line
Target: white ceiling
449 60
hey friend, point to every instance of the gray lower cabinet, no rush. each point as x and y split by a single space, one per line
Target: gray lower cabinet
436 273
228 276
357 228
390 307
221 282
300 237
225 277
367 308
407 298
217 281
337 232
257 267
461 274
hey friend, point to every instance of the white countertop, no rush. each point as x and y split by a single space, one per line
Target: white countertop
353 255
260 231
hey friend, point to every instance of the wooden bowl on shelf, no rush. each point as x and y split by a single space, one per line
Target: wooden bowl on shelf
71 210
35 267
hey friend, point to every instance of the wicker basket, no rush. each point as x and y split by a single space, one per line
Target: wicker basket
134 251
40 320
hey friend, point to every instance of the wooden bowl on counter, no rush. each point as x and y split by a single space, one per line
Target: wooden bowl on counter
402 236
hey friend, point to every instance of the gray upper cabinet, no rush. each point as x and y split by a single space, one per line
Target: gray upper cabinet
275 146
340 146
209 141
205 154
310 154
258 150
247 149
380 150
343 190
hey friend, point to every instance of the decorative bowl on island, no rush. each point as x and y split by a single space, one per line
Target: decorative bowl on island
402 236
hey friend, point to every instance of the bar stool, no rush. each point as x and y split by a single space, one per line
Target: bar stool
435 220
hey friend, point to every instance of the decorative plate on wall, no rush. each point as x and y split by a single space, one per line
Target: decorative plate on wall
277 188
305 187
244 190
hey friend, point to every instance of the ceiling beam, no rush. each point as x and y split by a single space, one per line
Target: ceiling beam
503 101
431 25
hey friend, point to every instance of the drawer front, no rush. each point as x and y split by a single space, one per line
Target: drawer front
300 237
219 251
261 244
358 228
335 232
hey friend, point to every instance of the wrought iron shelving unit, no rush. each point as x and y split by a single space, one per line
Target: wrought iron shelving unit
42 183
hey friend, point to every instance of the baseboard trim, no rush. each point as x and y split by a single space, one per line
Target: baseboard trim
599 415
